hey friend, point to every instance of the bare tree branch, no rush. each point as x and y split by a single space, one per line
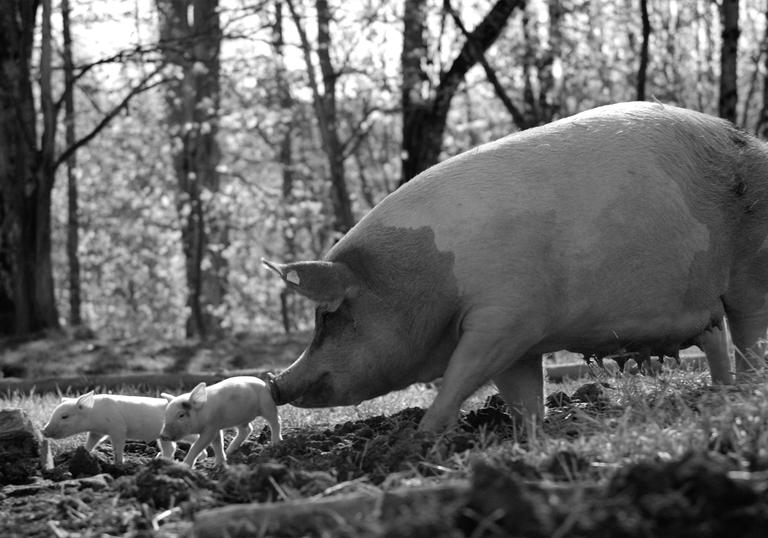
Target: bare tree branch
490 74
143 86
359 131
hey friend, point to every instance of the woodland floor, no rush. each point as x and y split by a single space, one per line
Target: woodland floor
473 481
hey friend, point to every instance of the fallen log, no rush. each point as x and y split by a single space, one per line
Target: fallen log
260 519
368 508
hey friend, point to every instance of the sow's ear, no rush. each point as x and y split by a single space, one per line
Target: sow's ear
327 283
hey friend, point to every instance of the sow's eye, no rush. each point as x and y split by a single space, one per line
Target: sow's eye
339 319
331 323
64 417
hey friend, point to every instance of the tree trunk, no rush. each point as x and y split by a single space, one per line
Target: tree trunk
416 101
344 217
72 217
761 129
45 300
285 102
27 170
27 301
729 16
425 112
550 84
192 106
531 111
325 110
642 71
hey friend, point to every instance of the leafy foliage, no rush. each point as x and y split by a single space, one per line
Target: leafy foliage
553 59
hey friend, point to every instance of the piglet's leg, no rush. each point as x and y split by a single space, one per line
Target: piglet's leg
167 449
480 354
118 444
197 447
269 412
94 440
243 431
522 387
218 448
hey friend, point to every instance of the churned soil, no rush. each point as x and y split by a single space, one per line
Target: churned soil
701 494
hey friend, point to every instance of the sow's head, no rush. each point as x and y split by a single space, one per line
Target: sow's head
353 354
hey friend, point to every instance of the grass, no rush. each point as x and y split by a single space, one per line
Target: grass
39 408
646 418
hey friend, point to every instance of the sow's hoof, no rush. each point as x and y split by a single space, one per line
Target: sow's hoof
23 452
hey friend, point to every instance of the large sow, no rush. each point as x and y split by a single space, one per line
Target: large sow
635 226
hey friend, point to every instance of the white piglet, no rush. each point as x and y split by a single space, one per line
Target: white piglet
110 415
207 411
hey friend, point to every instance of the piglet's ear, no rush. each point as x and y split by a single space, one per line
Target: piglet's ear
86 400
327 283
167 396
198 396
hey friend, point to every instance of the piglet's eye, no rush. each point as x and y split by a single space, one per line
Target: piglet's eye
64 417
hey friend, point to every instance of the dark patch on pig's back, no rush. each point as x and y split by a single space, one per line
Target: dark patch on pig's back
405 269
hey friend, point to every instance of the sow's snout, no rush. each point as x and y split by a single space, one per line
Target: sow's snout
289 388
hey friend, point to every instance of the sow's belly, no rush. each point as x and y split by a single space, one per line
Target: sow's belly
664 334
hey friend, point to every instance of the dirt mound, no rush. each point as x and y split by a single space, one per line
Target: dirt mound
164 484
694 496
375 447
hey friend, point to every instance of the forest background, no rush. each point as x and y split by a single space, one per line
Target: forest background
153 151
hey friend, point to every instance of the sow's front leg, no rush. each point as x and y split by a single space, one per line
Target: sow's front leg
522 387
482 353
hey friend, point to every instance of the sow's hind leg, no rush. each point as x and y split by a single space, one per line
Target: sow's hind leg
746 307
748 334
714 343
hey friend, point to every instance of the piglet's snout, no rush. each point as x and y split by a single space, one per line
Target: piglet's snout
52 431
